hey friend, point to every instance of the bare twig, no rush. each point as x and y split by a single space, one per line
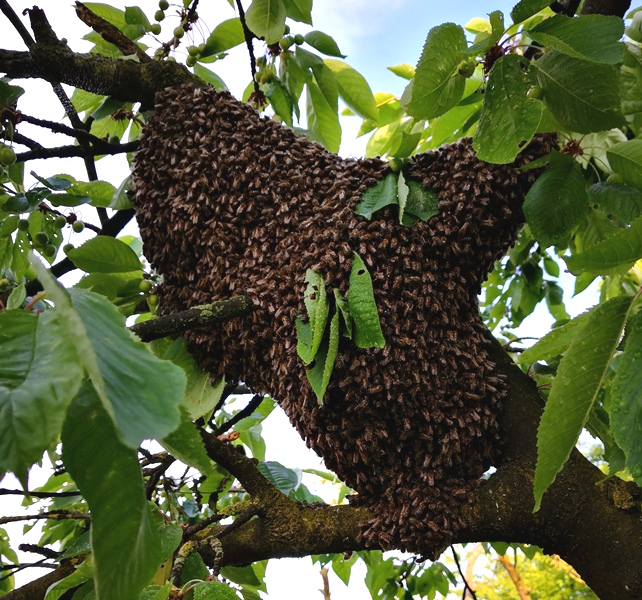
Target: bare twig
5 492
252 405
78 151
468 591
326 584
249 36
43 551
53 515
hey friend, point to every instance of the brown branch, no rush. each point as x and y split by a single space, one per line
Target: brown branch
78 151
249 36
5 492
523 591
79 134
110 33
615 8
54 515
193 318
326 584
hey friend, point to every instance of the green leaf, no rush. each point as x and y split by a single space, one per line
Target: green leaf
354 89
344 309
421 203
316 306
226 35
39 377
618 199
591 37
382 194
299 10
320 373
139 391
626 407
213 590
626 159
186 444
583 96
83 572
402 195
17 297
323 43
403 70
126 546
284 479
200 395
367 329
437 85
68 200
580 376
208 76
557 202
9 94
105 254
266 19
280 101
508 119
527 8
323 118
616 254
555 342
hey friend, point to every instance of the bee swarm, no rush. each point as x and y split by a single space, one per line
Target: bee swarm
231 203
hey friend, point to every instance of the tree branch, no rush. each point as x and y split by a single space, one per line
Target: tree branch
78 151
110 33
193 318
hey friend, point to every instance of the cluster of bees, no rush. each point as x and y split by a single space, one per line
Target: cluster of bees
232 203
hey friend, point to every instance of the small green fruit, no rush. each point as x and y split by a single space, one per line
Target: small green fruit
40 239
152 301
4 282
145 286
163 4
466 68
193 51
23 225
535 93
30 274
286 42
67 247
60 222
159 15
179 32
299 39
49 250
286 30
114 139
260 61
7 156
78 226
155 29
191 61
615 178
201 48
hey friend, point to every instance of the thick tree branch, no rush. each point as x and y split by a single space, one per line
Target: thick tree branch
125 80
616 8
193 318
78 151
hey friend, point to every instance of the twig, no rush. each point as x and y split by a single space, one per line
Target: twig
243 518
467 588
326 584
5 492
199 316
252 405
249 36
65 129
35 549
18 138
193 529
53 515
17 23
110 33
78 151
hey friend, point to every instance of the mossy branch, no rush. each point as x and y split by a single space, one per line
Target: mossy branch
207 315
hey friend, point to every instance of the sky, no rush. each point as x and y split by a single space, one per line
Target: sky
374 34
